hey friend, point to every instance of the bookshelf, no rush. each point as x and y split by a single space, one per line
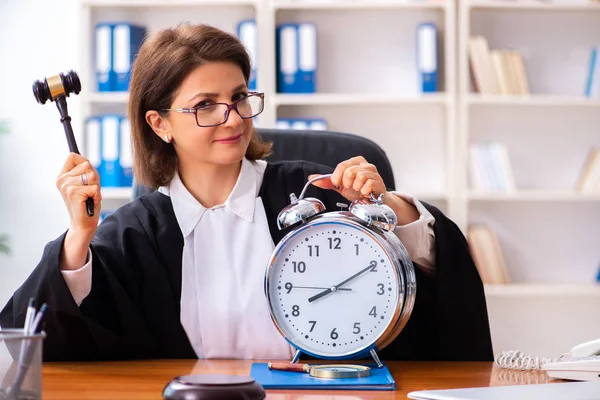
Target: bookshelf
547 229
545 226
365 96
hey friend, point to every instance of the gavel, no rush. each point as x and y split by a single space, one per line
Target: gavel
57 88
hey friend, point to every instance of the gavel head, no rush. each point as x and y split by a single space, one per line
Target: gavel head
58 85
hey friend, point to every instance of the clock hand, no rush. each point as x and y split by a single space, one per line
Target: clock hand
315 287
335 288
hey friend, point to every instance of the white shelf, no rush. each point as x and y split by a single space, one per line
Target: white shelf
310 99
358 99
429 196
116 193
532 100
167 3
542 289
536 5
357 4
535 195
108 97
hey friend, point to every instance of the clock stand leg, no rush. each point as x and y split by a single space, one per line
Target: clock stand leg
376 358
296 356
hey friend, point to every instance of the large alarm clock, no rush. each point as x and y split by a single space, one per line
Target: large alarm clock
340 284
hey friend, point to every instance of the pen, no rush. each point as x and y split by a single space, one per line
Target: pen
38 319
29 316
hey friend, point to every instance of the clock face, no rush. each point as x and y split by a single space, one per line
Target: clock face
333 289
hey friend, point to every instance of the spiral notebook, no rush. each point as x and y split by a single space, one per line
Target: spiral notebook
380 379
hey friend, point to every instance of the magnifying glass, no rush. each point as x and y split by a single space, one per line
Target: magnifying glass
332 371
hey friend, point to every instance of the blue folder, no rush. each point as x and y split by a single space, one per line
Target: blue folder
103 59
380 379
127 39
246 31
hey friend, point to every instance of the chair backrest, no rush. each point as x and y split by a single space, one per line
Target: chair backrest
323 147
327 148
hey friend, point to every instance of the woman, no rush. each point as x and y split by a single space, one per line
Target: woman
178 273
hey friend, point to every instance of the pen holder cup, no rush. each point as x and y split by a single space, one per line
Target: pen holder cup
20 365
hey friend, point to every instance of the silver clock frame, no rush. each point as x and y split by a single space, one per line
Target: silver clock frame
403 269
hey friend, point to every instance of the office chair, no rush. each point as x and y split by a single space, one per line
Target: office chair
323 147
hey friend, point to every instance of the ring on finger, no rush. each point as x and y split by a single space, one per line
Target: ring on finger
84 179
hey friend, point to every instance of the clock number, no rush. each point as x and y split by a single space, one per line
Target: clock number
296 311
380 291
337 241
373 312
356 248
373 266
310 250
313 323
289 286
356 330
299 266
334 335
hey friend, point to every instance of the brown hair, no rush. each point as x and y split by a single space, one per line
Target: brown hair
163 62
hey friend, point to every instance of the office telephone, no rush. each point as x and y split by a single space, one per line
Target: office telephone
582 363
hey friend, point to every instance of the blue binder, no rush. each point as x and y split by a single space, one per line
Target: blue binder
125 153
380 379
287 58
296 58
246 31
103 58
307 47
427 57
127 39
110 167
93 143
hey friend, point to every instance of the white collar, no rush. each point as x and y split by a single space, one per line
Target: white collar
240 201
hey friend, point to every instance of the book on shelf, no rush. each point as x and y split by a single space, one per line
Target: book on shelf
592 84
487 254
496 71
490 168
589 177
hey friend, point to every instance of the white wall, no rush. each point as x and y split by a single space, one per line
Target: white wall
38 38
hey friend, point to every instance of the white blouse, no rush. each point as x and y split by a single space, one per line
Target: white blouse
223 307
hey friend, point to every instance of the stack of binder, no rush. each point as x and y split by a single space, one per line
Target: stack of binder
108 147
116 45
296 58
246 31
315 124
428 57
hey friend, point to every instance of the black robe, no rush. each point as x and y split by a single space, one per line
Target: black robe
133 309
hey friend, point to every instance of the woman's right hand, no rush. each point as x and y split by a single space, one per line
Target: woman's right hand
77 181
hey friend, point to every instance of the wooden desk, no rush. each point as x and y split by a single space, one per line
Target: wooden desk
146 379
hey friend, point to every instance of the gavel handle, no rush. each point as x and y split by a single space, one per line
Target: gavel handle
61 104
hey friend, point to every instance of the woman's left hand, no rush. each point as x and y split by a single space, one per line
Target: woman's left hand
353 179
356 178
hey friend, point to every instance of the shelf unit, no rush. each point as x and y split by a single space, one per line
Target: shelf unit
547 230
383 96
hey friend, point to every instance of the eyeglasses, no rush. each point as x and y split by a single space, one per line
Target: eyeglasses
217 113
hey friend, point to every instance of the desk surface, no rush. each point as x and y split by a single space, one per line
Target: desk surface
146 379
